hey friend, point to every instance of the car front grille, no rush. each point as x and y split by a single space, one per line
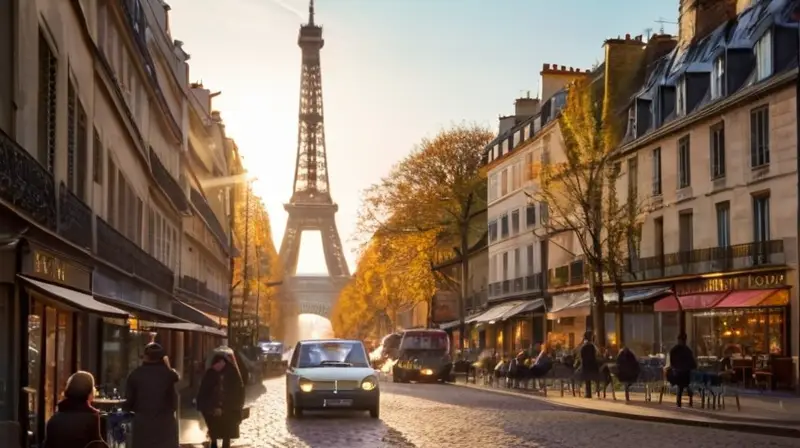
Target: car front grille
336 385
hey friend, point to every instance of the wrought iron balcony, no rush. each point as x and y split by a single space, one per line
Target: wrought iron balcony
123 253
708 260
25 183
516 287
200 289
167 183
210 218
569 275
74 218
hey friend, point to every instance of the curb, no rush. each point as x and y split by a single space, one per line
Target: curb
763 429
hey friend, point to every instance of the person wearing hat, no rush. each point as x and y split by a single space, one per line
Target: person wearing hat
150 394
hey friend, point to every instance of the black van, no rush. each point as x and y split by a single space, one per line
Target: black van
424 355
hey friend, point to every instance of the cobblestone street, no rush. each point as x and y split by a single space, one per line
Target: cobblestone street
434 416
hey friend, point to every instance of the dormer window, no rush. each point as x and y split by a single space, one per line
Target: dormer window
763 50
718 78
680 97
632 122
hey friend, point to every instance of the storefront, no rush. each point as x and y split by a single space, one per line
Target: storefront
509 327
53 292
745 315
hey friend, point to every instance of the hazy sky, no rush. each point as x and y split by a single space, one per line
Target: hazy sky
394 71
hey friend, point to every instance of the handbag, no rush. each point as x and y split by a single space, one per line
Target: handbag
245 413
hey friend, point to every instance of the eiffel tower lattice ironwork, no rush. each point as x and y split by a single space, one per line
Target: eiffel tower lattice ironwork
311 207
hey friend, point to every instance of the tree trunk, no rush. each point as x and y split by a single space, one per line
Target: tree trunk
620 315
462 297
599 311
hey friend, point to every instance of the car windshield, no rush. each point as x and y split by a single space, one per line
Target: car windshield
332 354
425 340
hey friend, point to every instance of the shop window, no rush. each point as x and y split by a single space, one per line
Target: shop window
64 345
746 332
114 362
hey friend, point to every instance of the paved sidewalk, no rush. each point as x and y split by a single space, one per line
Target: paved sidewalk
759 413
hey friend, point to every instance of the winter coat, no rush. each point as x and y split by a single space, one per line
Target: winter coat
75 425
627 366
224 391
588 362
150 394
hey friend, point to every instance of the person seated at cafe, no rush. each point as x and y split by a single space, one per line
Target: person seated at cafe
76 424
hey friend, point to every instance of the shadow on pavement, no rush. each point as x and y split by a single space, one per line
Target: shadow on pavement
455 396
316 429
193 428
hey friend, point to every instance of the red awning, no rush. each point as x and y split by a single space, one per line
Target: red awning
689 302
751 298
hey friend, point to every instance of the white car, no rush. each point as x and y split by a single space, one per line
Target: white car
331 374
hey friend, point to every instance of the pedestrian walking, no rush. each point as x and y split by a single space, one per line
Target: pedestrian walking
150 394
680 364
221 399
76 424
588 363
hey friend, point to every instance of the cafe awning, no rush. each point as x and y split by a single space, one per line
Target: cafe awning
140 311
188 326
524 307
192 314
494 313
449 325
752 298
689 302
74 299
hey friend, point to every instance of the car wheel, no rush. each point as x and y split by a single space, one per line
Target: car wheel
298 412
290 410
375 412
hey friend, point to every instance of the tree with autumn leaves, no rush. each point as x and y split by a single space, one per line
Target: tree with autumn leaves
258 266
582 196
423 208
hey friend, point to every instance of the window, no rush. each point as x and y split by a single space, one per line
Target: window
761 219
528 168
718 151
46 120
685 231
657 172
111 209
759 137
493 187
77 144
493 231
684 163
504 183
529 257
680 97
658 236
633 179
83 154
97 159
517 262
516 181
515 222
763 50
543 213
72 133
530 215
504 226
505 266
631 132
718 78
723 224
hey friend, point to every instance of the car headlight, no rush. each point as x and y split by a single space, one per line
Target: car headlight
427 372
369 383
306 385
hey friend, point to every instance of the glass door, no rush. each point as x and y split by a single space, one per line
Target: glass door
50 371
35 347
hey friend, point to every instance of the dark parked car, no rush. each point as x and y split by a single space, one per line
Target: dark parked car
424 355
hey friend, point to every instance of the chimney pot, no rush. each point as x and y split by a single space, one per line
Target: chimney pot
638 38
563 68
546 67
627 37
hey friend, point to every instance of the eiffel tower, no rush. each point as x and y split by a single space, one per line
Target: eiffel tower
311 207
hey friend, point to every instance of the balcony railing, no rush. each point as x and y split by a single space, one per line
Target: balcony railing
518 286
476 300
167 183
200 289
569 275
26 184
74 218
709 260
118 250
208 215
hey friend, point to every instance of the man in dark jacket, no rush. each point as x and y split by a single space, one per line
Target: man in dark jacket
150 394
680 365
588 363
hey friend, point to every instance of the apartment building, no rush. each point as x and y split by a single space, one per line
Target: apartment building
712 140
92 132
205 252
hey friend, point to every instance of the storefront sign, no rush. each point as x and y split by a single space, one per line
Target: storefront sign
49 267
722 284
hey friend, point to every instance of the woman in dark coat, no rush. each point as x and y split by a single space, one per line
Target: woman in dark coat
221 399
77 423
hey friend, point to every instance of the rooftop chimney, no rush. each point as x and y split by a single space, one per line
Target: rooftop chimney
526 107
698 18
